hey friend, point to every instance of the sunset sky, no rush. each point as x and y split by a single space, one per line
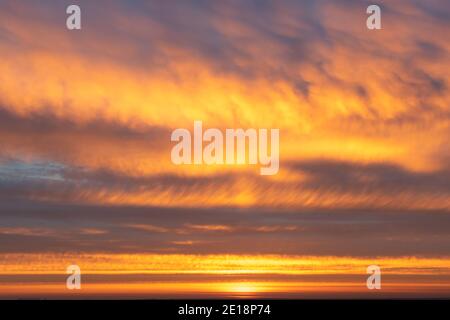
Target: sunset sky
86 176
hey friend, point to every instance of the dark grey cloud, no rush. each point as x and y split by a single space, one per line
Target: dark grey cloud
382 177
43 123
41 136
314 232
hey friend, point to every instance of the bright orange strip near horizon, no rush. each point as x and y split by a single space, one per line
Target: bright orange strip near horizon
100 263
243 289
235 275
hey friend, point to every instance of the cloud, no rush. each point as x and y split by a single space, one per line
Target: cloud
34 232
387 178
85 121
147 227
130 229
303 184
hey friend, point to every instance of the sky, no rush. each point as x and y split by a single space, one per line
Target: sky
86 176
